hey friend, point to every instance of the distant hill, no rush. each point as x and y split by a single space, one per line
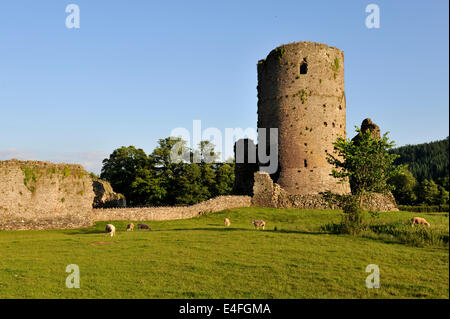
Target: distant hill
427 160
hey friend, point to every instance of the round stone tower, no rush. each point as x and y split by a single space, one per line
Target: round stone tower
301 92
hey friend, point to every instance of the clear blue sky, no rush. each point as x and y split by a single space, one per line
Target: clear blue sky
135 70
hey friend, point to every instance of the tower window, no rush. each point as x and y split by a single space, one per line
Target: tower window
304 67
306 163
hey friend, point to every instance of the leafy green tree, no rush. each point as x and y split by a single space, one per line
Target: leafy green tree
206 153
169 169
147 188
207 157
365 161
121 168
224 179
443 181
167 176
368 163
190 188
404 185
427 192
442 196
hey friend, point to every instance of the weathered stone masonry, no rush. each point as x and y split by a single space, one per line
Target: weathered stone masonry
269 194
42 195
301 92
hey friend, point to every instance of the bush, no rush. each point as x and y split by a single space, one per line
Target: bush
399 232
352 219
404 233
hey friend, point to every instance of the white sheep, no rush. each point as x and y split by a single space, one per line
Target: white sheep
111 229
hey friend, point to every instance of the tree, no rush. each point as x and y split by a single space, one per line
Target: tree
224 180
427 192
147 188
206 154
121 168
207 157
427 160
404 185
442 196
167 176
368 163
167 170
190 187
365 161
444 182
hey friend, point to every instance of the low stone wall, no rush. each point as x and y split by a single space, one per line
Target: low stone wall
43 195
170 213
269 194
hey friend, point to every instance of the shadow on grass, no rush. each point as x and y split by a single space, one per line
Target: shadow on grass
286 231
89 231
85 231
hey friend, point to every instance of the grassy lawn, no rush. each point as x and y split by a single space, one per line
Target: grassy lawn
200 258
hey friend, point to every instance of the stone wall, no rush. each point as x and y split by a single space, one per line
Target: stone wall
42 195
270 194
170 213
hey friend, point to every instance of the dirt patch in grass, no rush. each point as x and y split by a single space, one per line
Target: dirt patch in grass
99 243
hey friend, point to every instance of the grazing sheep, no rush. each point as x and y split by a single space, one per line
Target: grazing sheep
144 226
130 227
110 229
259 223
227 222
419 220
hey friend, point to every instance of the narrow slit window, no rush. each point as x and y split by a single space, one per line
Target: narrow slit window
303 68
306 163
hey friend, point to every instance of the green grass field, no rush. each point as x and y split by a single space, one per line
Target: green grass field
200 258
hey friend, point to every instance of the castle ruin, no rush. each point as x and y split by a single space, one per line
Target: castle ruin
300 93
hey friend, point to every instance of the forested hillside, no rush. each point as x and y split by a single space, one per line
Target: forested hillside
425 161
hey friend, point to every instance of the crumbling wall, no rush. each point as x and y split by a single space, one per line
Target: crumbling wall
213 205
270 194
43 195
105 197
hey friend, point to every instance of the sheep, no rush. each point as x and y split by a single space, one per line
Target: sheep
227 222
130 227
419 220
259 223
144 226
110 229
